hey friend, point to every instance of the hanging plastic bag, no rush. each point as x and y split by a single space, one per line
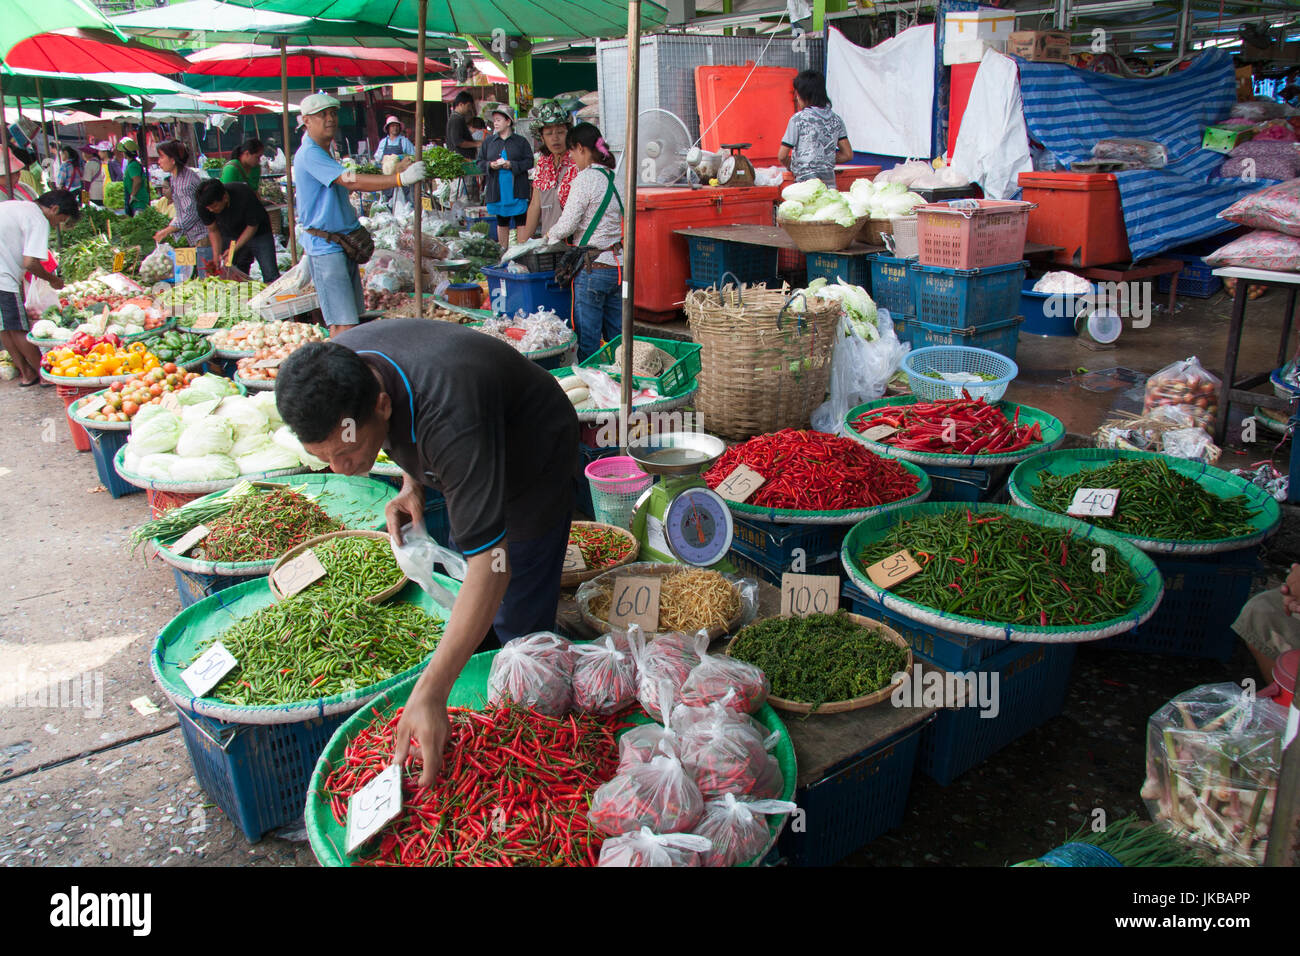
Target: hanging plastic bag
736 828
733 682
604 674
417 555
1188 387
669 657
647 848
860 371
535 670
658 794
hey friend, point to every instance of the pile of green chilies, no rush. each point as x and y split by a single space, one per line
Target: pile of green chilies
819 658
1154 501
994 567
261 527
357 565
319 643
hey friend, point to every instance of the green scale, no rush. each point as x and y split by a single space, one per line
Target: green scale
679 519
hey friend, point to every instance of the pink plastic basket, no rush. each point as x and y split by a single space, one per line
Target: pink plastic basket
616 484
972 233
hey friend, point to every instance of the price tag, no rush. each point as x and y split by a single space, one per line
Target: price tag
636 601
1093 503
190 539
895 569
206 320
206 673
740 484
230 256
92 404
187 256
374 806
573 560
299 573
119 260
878 432
170 402
655 538
426 204
804 594
267 363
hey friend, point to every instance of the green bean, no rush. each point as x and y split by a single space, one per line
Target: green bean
358 565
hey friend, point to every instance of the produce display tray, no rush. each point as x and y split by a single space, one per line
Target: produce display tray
194 487
106 380
89 424
846 516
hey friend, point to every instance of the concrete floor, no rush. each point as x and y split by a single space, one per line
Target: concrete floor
89 779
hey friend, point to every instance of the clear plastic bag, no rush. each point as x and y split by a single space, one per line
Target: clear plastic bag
664 666
535 670
724 754
644 847
1194 444
1142 152
604 674
658 794
1213 758
736 828
418 554
642 742
732 682
1186 386
860 371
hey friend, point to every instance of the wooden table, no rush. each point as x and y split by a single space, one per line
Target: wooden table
1237 390
1148 270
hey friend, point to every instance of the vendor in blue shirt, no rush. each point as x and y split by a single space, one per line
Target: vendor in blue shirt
506 157
394 144
321 187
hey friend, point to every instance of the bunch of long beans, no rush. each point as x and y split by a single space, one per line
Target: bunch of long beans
319 643
1154 501
994 567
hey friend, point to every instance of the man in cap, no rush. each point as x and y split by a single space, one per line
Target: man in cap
396 144
135 182
321 187
11 184
24 248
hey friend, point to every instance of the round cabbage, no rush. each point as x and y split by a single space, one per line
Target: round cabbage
207 436
154 430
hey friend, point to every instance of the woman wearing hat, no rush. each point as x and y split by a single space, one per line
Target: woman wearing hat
245 164
94 173
394 144
554 169
506 157
136 183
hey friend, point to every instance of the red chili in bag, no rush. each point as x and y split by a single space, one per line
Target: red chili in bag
657 794
724 753
647 848
604 677
732 682
671 658
536 671
736 829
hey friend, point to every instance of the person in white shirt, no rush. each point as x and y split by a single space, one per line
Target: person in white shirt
24 245
594 213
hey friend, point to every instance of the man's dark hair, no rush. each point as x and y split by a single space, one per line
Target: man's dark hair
209 191
476 122
811 87
321 384
61 201
463 97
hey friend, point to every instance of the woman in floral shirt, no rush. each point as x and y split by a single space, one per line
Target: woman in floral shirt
553 172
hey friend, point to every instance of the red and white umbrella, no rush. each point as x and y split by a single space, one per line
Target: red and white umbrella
245 104
91 51
252 60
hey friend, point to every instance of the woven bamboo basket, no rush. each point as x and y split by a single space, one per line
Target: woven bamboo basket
821 236
763 366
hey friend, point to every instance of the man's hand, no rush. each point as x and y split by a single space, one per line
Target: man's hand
412 174
425 719
406 508
1291 591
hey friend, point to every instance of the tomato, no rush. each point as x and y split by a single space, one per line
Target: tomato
155 389
117 386
130 408
169 368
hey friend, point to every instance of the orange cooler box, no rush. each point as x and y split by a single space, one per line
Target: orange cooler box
663 262
1080 212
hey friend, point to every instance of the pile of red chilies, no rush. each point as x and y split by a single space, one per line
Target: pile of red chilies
974 427
513 791
813 471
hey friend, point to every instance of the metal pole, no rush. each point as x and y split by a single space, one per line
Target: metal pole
629 210
418 210
288 163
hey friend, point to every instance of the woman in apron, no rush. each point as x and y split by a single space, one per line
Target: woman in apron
553 172
394 144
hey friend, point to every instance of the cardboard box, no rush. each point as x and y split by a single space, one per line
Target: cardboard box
1040 46
1222 139
987 23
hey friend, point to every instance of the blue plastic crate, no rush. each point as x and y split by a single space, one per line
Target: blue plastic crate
511 291
1031 685
711 259
833 266
1203 595
964 484
192 587
892 284
862 798
1196 280
777 543
948 650
750 563
1002 337
967 298
104 445
903 327
257 773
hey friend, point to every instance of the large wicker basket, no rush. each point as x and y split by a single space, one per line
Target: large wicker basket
821 236
763 367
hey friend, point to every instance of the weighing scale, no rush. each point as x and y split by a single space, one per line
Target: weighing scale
679 519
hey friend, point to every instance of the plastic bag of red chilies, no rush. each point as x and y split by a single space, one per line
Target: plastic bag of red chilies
726 752
716 676
535 670
647 848
669 657
657 794
641 742
736 828
604 673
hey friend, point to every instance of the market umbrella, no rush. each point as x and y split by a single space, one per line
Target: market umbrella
245 104
246 59
91 51
528 18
